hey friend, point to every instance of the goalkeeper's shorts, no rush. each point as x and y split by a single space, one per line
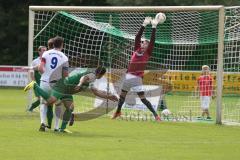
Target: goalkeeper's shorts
132 82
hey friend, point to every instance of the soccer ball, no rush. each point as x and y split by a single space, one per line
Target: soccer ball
160 17
166 112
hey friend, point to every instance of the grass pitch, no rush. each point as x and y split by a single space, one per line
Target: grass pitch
103 138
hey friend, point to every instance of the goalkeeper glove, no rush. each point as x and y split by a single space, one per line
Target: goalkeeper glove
154 23
146 21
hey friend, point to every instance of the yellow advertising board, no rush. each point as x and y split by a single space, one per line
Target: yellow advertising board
182 81
187 80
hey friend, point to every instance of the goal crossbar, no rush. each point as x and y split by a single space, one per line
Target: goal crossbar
125 8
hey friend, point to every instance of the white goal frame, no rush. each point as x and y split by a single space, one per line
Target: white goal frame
218 8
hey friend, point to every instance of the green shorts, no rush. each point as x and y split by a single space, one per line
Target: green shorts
61 96
36 94
62 91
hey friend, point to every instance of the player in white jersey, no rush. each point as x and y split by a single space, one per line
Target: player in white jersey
53 66
35 76
58 105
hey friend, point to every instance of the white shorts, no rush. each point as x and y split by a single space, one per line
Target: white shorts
132 82
46 87
205 102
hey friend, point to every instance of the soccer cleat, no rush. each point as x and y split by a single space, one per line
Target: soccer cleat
29 86
200 118
208 118
56 130
158 118
116 114
29 109
42 127
71 121
65 131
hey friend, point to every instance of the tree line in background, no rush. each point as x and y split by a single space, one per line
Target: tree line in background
14 20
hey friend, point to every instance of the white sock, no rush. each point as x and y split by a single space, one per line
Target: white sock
58 110
43 113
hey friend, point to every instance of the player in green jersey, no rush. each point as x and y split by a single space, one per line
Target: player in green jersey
66 87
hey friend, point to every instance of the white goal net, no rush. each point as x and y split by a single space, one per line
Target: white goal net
189 38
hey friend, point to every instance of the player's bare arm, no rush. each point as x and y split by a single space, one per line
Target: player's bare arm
82 80
103 94
41 67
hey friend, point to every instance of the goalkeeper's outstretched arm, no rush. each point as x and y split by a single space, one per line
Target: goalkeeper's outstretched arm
146 21
154 23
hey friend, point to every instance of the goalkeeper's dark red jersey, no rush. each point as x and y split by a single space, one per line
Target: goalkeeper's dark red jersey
138 63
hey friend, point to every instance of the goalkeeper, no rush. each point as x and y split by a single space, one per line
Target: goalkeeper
133 78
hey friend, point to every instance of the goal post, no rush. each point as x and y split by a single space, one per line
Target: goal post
220 66
30 47
192 36
231 62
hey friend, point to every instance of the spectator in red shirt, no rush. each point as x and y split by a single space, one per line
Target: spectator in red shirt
205 89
